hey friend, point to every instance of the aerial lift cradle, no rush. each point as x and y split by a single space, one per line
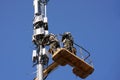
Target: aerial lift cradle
80 67
61 57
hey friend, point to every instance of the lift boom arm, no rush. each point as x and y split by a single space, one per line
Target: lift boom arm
50 68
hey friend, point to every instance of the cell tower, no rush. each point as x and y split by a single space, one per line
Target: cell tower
60 55
40 26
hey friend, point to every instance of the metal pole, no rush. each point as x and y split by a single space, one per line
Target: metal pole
45 11
40 72
40 64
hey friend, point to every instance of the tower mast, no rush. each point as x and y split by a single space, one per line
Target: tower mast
40 29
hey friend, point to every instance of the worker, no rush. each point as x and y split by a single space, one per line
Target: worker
68 41
52 41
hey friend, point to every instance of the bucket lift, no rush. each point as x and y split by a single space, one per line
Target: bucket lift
80 67
63 57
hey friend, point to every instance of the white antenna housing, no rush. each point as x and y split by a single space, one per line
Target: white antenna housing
36 6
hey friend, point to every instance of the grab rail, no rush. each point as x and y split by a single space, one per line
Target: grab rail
84 50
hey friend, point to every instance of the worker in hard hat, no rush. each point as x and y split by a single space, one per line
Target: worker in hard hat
51 40
68 41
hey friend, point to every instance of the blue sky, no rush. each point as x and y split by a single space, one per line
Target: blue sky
95 24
